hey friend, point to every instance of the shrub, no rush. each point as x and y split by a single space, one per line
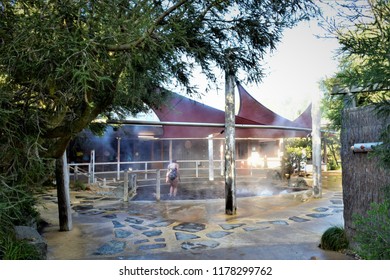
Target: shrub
79 186
13 249
334 239
17 207
372 234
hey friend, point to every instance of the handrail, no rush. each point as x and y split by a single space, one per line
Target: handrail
189 168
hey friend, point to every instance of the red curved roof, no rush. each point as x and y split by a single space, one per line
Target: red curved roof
251 109
304 120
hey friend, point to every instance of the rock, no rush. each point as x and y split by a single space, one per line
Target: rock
32 236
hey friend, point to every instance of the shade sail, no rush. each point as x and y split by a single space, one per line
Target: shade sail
251 109
304 120
252 113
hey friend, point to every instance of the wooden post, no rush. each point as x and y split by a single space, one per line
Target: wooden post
230 168
62 181
316 142
126 186
91 168
158 184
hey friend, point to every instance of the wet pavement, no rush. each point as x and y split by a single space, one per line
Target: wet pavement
287 226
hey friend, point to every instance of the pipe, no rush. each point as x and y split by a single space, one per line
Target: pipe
159 123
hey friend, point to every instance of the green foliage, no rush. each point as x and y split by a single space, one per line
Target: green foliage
12 249
65 63
79 186
373 232
334 239
363 31
297 150
17 207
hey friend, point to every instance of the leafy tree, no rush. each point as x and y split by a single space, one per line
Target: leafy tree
66 62
297 150
363 31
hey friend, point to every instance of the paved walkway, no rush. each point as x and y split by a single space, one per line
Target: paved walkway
281 227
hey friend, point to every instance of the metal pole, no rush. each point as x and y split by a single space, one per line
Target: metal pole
211 158
118 156
170 151
245 126
221 155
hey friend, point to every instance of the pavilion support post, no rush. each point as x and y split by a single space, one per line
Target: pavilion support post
316 143
62 181
211 157
170 151
230 168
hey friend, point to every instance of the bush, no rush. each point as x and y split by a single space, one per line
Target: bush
17 207
372 234
334 239
79 186
13 249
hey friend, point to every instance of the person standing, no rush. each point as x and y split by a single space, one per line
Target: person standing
173 177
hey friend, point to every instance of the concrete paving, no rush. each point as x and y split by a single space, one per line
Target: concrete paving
278 227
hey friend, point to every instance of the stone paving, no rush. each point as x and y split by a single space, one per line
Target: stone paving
112 229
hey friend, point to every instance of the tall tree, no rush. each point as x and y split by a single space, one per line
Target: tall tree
363 31
66 62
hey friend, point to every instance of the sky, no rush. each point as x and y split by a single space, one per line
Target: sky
293 72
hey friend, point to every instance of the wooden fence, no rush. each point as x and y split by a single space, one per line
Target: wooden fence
363 178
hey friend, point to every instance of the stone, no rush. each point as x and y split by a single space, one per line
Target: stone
276 222
110 216
139 227
318 215
218 234
190 227
298 219
185 236
230 226
255 228
141 241
117 224
134 220
163 223
111 248
199 245
159 240
120 233
152 246
321 209
152 233
336 201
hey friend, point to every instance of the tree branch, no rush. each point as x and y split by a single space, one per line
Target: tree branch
149 32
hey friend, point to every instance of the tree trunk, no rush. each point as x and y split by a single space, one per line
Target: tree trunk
62 180
230 168
316 142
